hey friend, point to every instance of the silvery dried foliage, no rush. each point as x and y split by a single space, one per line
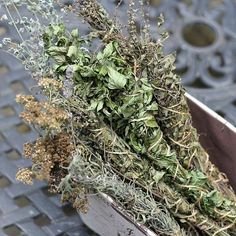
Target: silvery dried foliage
29 47
99 178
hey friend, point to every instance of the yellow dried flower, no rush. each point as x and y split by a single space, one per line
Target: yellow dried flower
27 150
23 99
50 83
49 155
25 175
42 113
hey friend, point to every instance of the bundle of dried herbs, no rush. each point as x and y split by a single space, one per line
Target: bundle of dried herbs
116 121
125 102
173 114
101 178
138 170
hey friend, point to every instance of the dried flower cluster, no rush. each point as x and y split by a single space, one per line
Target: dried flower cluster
47 83
50 156
116 121
25 175
42 114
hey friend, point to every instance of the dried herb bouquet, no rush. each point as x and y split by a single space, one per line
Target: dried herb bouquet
115 120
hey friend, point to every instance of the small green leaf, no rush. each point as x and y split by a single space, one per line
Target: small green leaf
54 50
72 51
153 107
197 178
99 56
108 50
103 71
60 68
96 105
135 144
100 105
158 176
146 88
62 41
57 29
116 79
75 33
93 105
87 71
60 59
112 105
213 198
128 112
151 123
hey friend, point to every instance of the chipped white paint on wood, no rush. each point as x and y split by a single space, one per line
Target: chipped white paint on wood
106 219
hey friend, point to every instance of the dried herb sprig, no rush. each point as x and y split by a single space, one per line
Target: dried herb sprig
168 90
175 119
108 84
95 15
88 171
29 49
116 152
42 114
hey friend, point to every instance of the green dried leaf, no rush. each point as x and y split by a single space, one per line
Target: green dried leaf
151 122
60 59
87 71
75 33
135 144
108 50
72 51
96 105
99 56
93 105
153 107
158 176
54 50
57 29
100 105
197 178
116 79
213 198
103 71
